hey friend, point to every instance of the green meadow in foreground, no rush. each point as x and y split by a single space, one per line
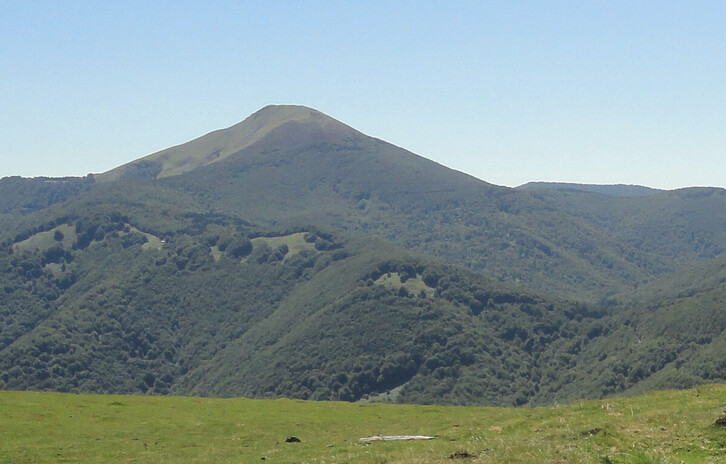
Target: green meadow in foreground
659 427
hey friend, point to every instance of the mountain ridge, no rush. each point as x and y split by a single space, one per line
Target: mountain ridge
626 190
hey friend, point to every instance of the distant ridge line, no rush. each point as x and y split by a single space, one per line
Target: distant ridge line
617 190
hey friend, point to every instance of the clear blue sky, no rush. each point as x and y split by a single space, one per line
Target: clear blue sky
508 91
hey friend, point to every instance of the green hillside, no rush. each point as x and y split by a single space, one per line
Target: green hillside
20 196
115 302
664 427
310 261
581 244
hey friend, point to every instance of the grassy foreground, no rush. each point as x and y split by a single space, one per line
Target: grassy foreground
660 427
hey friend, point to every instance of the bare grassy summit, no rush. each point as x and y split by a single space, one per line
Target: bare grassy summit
296 124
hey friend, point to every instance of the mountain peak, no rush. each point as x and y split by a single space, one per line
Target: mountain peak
280 114
218 145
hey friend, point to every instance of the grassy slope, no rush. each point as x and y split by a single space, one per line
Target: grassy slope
660 427
220 144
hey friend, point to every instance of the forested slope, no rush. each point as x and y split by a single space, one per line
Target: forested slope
308 260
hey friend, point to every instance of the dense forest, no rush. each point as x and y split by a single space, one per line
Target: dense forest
295 257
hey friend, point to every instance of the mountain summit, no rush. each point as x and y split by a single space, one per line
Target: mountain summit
295 124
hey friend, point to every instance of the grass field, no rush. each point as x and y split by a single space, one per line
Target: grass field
660 427
295 243
44 240
414 285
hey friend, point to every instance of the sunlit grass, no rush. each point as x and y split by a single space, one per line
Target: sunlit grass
295 243
661 427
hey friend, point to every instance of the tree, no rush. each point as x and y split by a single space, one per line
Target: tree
239 247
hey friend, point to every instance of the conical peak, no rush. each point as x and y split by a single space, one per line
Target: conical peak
220 144
281 114
271 117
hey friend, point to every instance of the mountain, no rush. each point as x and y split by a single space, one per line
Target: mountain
291 255
287 125
584 245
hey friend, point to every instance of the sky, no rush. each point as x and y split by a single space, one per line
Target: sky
603 92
